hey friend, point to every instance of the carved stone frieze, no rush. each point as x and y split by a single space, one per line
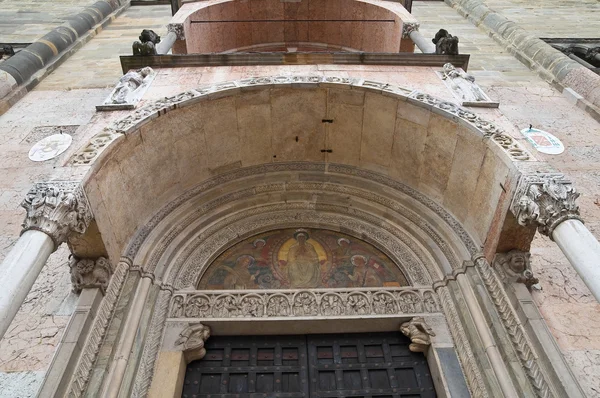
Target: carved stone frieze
89 273
152 110
545 200
419 333
408 28
57 208
302 303
177 28
515 267
487 129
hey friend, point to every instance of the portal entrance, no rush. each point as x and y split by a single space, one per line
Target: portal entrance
331 365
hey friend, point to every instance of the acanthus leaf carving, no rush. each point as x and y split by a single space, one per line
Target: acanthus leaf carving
177 28
545 200
57 208
408 28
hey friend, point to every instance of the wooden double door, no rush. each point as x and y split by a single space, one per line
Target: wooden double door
332 365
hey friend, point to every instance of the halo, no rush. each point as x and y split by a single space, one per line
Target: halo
301 231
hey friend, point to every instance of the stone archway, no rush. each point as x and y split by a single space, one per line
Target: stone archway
219 189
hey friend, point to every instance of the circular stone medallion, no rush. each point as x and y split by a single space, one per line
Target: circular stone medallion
543 141
50 147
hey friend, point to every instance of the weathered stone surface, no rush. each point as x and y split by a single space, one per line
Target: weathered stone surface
20 384
33 335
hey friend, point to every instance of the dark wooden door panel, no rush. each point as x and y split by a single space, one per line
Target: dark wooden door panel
366 365
249 366
376 365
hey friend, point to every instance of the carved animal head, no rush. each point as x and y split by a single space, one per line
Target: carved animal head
149 36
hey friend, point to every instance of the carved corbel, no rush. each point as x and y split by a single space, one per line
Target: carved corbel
419 333
58 209
545 200
192 340
515 267
408 28
90 273
177 28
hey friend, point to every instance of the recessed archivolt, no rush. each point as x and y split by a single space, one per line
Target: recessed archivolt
187 270
483 128
189 235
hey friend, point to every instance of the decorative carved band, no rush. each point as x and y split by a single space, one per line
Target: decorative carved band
545 200
302 303
89 354
152 110
177 28
57 208
514 328
90 273
408 28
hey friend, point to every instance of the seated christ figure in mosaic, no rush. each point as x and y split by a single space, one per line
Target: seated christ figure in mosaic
303 266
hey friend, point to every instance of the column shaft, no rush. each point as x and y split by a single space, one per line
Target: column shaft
425 45
582 250
19 271
166 43
113 381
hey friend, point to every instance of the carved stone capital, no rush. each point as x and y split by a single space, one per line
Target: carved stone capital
515 267
57 208
90 273
419 333
545 200
176 28
192 340
408 28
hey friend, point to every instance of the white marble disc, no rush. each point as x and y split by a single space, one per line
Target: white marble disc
50 147
543 141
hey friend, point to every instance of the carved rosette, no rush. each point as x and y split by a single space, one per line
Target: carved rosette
57 208
408 28
176 28
419 333
545 200
90 273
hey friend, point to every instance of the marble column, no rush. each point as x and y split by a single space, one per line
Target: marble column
54 211
547 201
175 32
411 30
